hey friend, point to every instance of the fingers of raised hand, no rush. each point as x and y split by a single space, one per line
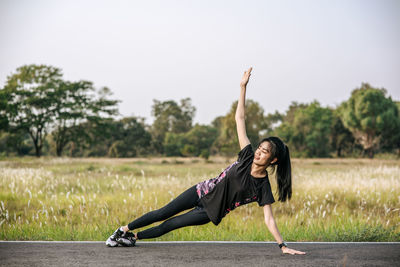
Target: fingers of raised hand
245 78
248 72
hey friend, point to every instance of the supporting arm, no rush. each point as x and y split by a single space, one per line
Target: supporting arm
273 228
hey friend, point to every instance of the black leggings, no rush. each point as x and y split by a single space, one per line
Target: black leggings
187 200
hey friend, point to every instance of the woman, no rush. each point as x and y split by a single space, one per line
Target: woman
245 181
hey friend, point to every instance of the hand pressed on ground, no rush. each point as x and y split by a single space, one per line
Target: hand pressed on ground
287 250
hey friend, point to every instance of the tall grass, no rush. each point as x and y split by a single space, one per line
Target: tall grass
87 199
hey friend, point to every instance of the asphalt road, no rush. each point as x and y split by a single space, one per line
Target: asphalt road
16 253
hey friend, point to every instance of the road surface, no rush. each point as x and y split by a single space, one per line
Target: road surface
57 253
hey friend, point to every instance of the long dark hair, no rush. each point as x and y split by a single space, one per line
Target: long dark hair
283 167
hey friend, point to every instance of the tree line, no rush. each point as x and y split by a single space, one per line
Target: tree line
43 114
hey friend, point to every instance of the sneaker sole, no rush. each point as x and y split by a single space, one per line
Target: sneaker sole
126 242
111 243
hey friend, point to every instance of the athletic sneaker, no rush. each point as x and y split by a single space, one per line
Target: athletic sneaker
112 240
127 240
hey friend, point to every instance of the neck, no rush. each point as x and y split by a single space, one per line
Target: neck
258 170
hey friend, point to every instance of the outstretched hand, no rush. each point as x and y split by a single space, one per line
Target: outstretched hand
246 77
287 250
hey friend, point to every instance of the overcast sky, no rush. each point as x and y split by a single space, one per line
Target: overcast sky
144 50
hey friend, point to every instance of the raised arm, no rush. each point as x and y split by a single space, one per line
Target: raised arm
240 111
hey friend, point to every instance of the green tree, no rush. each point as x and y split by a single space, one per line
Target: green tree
289 117
28 101
306 129
173 144
198 140
95 139
281 124
341 138
36 100
271 122
390 139
76 103
217 124
170 118
17 142
130 138
369 114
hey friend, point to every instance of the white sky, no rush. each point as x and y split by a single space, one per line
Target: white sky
145 50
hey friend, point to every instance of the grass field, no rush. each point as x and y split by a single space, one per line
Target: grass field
87 199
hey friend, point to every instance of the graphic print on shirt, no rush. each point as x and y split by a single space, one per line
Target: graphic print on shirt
239 203
207 186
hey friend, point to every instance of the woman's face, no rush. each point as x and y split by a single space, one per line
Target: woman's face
263 154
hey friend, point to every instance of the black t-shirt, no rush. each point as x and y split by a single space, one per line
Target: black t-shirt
234 187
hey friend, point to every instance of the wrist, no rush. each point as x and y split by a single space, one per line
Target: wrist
282 245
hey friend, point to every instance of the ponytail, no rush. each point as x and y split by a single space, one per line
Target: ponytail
284 168
284 177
